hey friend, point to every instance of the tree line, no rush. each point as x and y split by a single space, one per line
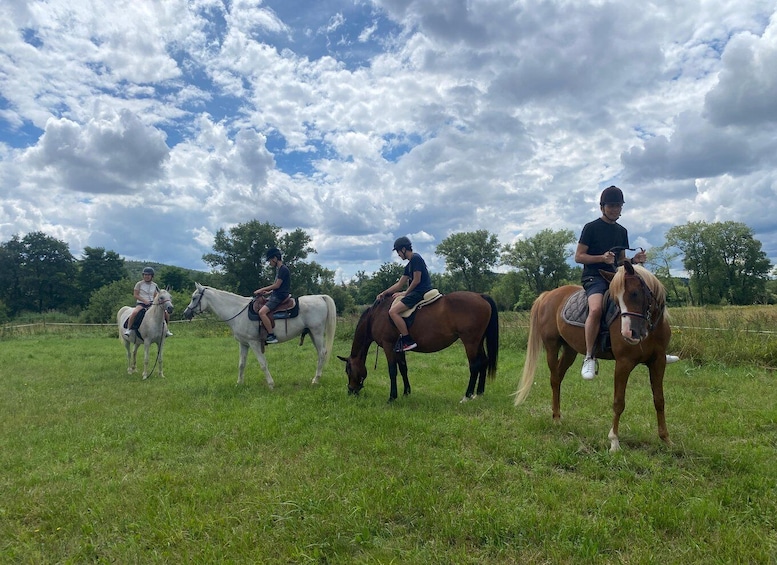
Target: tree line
38 274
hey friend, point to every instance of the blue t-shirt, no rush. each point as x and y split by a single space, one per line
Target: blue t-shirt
285 277
417 263
600 237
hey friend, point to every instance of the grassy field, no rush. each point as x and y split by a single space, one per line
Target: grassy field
99 466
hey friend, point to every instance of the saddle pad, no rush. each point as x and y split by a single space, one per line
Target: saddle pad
575 310
429 297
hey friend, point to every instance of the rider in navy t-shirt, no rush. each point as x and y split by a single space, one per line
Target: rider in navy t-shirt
418 281
280 288
594 252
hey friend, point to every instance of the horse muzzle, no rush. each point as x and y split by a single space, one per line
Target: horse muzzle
188 314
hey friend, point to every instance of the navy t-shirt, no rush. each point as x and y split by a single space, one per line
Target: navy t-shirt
600 237
417 263
285 276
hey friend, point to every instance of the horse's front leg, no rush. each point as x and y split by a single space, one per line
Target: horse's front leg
241 364
402 363
146 348
622 371
392 370
134 361
257 348
657 369
129 356
159 355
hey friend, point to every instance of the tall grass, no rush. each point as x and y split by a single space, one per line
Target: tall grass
99 466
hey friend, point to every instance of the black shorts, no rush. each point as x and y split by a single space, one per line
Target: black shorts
413 297
274 301
595 285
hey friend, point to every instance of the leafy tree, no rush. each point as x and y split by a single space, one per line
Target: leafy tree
175 278
507 290
106 301
41 274
541 260
725 262
98 268
240 256
471 256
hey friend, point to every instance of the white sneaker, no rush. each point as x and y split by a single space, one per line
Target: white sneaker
169 333
589 368
127 332
672 359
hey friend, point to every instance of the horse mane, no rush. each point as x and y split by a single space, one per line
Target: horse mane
651 281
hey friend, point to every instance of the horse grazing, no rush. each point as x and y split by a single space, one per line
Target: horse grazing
463 315
317 317
640 334
152 330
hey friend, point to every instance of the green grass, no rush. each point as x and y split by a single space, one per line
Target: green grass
99 466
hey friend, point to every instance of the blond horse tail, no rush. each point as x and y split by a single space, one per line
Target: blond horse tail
533 349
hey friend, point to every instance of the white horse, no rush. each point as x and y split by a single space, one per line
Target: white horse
153 329
317 317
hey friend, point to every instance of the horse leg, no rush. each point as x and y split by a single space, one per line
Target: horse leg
622 371
159 354
134 361
241 364
146 347
257 348
402 363
558 369
657 369
392 370
129 356
473 379
322 354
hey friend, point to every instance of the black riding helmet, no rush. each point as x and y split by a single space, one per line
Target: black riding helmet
273 252
403 242
611 195
148 271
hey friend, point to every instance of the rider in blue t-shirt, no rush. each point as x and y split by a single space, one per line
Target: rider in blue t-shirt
280 290
416 277
594 253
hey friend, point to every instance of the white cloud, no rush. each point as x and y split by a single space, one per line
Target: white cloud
152 125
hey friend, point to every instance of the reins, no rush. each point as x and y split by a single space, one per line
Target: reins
199 305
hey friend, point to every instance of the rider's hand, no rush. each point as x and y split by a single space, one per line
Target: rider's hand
609 257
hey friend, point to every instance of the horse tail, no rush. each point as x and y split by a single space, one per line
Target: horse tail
533 348
492 339
331 325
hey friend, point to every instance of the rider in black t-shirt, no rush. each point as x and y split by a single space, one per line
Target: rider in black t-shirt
280 288
416 277
594 252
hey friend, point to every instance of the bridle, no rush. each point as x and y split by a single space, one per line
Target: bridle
199 310
647 315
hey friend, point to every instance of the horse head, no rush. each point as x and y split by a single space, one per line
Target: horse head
195 306
164 300
630 287
356 369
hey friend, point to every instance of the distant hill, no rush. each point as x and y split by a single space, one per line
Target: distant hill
135 269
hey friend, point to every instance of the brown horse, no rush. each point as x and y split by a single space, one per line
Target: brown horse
640 334
463 315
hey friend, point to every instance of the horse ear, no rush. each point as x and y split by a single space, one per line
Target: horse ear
345 359
629 267
608 275
197 285
167 288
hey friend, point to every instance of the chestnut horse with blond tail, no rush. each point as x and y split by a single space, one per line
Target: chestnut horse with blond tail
639 335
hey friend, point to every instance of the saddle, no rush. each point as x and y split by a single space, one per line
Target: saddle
429 297
138 320
575 311
289 308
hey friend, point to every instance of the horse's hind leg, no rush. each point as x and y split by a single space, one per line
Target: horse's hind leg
558 369
322 354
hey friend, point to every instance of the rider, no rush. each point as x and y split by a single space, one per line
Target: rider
280 288
416 277
144 292
594 252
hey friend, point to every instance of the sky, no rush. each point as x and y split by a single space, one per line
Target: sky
143 127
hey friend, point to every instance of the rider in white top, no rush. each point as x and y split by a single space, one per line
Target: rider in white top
145 291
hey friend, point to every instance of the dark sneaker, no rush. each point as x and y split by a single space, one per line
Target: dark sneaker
409 344
271 339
